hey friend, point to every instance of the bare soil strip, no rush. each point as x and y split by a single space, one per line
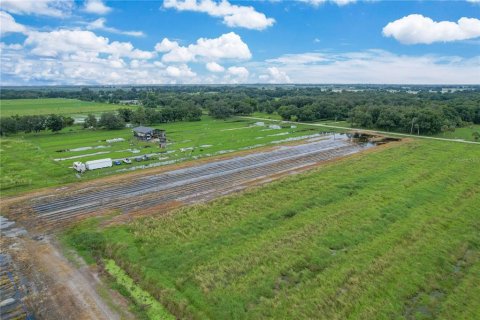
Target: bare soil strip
190 184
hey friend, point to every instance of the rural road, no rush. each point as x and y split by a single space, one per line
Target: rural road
366 130
191 184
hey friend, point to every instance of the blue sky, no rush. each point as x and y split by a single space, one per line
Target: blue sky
209 41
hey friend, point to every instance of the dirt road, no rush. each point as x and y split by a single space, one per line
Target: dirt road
43 284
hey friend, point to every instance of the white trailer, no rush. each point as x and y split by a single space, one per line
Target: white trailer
98 164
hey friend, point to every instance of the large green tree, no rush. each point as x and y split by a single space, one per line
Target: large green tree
55 122
90 121
8 125
111 121
220 111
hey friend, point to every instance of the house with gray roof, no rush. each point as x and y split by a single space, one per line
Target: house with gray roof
147 133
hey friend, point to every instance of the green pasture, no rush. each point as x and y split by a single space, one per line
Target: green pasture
465 133
391 234
28 161
53 105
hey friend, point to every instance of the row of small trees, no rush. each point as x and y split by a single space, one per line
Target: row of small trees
224 110
36 123
141 116
108 120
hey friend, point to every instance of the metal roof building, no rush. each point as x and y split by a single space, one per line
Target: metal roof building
143 130
147 133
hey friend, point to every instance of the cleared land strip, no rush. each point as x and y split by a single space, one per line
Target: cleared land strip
191 184
406 135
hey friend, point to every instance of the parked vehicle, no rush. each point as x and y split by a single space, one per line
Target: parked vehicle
117 162
138 159
79 166
127 161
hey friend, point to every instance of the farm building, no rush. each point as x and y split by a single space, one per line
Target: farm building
147 134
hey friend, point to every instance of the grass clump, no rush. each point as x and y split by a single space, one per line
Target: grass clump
147 306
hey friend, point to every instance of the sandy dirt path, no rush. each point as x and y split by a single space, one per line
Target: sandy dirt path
54 287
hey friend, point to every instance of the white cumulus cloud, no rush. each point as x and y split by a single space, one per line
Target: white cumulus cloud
236 74
96 7
13 46
233 15
180 71
179 54
274 75
416 29
63 41
380 66
317 3
99 24
241 72
9 25
214 67
227 46
300 58
166 45
52 8
21 66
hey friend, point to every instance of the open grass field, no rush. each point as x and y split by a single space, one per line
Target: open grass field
54 105
462 133
30 161
391 234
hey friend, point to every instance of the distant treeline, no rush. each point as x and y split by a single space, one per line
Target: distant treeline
37 123
143 116
403 112
424 112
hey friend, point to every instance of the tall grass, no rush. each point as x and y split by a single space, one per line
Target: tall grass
392 234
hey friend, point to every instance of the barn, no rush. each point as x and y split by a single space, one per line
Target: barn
147 134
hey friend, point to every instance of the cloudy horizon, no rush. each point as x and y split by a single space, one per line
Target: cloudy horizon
94 42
